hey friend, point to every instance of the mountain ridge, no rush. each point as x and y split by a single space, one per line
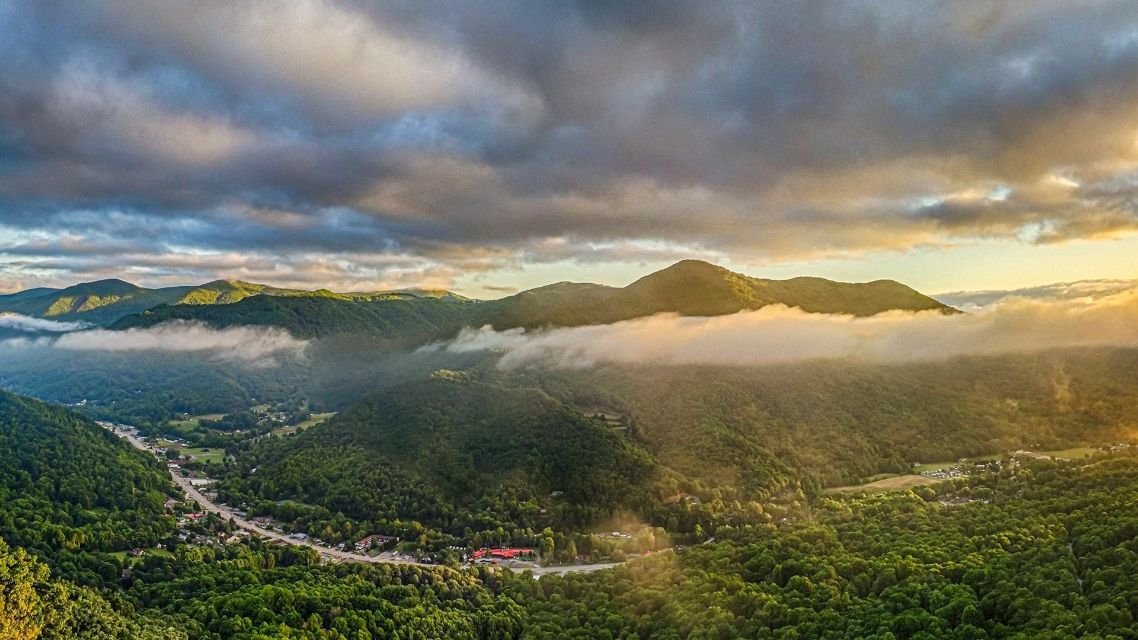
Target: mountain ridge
102 302
698 288
688 287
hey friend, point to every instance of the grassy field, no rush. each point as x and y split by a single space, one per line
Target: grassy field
124 555
213 455
889 483
194 421
314 420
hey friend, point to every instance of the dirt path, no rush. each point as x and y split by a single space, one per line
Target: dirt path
888 484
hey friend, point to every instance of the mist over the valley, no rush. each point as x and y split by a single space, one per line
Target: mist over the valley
241 343
20 322
778 334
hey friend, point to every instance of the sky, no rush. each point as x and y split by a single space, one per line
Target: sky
487 146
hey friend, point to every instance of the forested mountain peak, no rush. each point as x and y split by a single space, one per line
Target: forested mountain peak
698 288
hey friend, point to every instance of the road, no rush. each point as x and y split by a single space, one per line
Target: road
226 513
334 555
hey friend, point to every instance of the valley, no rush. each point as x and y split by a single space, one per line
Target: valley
568 320
367 457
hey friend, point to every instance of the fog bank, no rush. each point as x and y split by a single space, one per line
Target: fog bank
236 343
21 322
778 334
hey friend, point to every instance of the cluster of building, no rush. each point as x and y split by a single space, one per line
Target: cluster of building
487 556
374 540
963 468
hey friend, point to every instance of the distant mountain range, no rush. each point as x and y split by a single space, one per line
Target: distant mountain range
1079 289
689 287
105 301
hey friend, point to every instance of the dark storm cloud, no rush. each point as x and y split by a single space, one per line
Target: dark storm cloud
368 142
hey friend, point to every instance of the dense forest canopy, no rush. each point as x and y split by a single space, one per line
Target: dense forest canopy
453 454
483 448
70 488
1041 549
836 422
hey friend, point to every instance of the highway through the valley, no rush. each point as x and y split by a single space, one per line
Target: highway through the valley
334 555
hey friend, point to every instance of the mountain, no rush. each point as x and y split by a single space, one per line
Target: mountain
26 293
825 423
690 287
105 301
486 447
398 317
697 288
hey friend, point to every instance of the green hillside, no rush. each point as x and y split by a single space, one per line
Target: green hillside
69 488
763 429
69 493
454 453
95 302
34 605
1041 552
485 447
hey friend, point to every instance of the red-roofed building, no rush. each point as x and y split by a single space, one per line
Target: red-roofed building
503 554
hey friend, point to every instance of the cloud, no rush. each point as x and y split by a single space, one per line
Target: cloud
370 131
1082 290
248 344
21 322
778 334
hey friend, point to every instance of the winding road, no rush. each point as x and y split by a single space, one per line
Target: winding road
334 555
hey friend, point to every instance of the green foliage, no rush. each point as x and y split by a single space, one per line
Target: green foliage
269 593
69 489
105 301
452 454
407 319
1051 554
144 389
34 605
764 430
